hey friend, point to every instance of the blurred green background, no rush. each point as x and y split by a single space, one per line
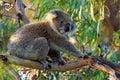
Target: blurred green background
89 16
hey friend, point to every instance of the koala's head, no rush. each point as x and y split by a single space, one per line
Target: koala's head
61 22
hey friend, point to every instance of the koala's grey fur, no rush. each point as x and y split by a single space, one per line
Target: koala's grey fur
38 40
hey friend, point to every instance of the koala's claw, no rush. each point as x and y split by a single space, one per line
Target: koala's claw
85 56
62 62
89 53
47 66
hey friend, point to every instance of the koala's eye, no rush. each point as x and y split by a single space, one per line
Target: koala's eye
61 22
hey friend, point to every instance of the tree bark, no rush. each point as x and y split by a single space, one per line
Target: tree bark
94 62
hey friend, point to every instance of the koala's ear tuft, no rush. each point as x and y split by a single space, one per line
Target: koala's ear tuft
52 15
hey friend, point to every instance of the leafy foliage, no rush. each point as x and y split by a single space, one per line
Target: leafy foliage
88 15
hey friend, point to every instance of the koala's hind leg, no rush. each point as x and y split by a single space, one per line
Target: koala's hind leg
56 56
38 50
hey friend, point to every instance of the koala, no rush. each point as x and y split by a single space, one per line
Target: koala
46 38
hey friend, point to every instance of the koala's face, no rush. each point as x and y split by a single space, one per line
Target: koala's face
61 22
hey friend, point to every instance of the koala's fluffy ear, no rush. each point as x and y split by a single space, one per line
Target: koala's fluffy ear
52 15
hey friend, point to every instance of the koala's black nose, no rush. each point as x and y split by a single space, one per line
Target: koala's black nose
67 27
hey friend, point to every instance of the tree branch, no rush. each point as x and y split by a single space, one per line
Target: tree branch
94 62
114 10
55 67
20 10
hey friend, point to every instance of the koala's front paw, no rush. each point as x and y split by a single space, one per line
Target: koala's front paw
48 66
84 57
62 62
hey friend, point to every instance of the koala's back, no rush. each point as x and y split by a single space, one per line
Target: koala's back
23 36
